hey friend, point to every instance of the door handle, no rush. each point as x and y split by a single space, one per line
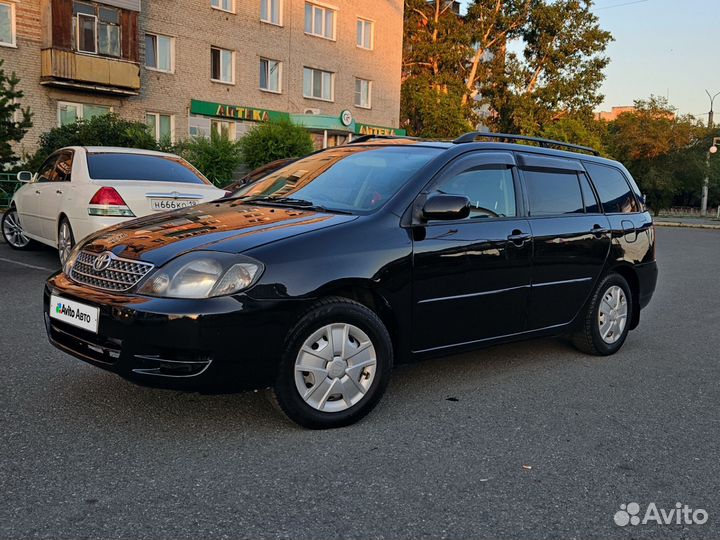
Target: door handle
518 237
59 191
37 191
599 231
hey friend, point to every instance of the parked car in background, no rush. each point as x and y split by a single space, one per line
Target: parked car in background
80 190
317 277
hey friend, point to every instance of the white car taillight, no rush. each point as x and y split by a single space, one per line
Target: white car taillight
108 202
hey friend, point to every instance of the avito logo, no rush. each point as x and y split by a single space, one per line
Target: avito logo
682 514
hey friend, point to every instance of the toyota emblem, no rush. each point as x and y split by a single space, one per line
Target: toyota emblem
102 261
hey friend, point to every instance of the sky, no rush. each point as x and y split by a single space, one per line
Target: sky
663 47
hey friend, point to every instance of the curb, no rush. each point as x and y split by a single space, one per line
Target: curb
686 225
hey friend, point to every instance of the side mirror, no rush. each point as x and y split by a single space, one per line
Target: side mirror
24 177
446 207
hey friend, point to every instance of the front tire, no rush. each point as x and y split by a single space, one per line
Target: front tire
12 231
336 365
605 324
66 240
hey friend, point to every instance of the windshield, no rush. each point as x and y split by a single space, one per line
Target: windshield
121 166
349 178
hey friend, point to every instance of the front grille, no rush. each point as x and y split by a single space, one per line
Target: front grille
120 275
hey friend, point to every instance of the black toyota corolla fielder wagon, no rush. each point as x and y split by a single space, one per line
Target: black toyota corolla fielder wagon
316 278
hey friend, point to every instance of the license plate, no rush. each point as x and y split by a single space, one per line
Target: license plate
74 313
171 204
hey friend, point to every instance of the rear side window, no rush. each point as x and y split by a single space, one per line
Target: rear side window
591 204
613 189
553 192
119 166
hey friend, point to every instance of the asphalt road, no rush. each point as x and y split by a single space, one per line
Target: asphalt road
84 454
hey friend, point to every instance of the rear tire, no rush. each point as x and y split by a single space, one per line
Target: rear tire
605 323
12 231
347 353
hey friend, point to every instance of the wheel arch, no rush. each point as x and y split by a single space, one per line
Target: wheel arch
630 275
363 292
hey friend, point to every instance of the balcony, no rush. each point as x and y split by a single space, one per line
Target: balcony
68 69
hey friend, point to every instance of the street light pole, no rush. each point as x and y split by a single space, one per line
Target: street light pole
711 114
706 183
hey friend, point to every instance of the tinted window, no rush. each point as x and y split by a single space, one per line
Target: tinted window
553 192
350 178
591 204
613 189
490 190
142 167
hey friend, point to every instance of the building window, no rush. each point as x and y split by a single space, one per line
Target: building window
224 5
222 65
223 128
159 52
69 113
161 126
97 29
363 91
318 84
319 21
271 11
270 75
7 24
365 34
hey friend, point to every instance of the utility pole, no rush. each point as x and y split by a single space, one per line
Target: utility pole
706 183
711 114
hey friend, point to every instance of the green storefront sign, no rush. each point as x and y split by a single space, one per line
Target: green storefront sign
236 112
366 129
310 121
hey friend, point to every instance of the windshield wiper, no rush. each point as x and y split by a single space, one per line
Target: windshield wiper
292 203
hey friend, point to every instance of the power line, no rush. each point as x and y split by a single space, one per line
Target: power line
622 5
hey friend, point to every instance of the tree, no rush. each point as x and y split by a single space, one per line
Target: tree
269 141
105 130
558 73
12 128
216 157
664 153
435 50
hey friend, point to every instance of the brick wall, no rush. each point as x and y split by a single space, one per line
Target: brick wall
196 27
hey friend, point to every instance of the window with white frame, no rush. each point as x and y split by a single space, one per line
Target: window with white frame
318 84
224 5
161 126
69 112
363 93
319 21
222 67
271 11
365 31
159 52
7 23
96 29
270 72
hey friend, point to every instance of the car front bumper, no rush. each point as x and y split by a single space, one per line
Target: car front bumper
232 342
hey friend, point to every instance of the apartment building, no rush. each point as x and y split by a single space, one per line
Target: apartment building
187 67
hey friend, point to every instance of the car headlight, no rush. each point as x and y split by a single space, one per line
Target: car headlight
203 274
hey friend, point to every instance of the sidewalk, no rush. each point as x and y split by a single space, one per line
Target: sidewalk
697 223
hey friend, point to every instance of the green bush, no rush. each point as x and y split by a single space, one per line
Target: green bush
269 141
104 130
217 157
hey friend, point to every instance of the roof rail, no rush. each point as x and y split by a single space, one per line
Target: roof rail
544 143
365 138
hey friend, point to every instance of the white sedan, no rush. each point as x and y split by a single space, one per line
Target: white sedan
80 190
